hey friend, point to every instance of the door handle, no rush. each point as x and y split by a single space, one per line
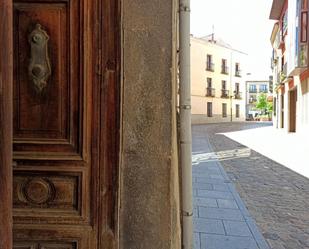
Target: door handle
39 68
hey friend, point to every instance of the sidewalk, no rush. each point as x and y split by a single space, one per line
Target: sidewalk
288 149
221 220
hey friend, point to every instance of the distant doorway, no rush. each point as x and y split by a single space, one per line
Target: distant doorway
282 111
292 110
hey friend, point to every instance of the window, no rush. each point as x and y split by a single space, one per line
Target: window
237 111
304 22
223 85
263 88
209 64
224 110
209 109
224 68
223 62
252 98
209 82
252 89
209 59
236 87
237 70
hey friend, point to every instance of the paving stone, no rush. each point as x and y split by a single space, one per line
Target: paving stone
205 202
210 226
205 186
197 242
220 213
210 241
276 197
214 194
218 176
221 187
236 228
195 212
206 169
225 203
208 180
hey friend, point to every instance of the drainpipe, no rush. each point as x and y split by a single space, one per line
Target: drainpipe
185 123
231 85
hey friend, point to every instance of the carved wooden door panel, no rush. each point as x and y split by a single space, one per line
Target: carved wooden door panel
65 124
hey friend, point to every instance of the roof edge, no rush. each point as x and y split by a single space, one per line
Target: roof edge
276 9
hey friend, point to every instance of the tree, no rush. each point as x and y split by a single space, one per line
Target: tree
261 103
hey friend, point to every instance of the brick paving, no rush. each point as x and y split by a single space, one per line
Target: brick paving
277 198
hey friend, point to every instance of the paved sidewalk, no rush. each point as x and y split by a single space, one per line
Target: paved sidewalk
277 145
276 197
221 220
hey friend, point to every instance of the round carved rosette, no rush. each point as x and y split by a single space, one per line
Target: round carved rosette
38 191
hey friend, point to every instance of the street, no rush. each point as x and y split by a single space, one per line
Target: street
242 199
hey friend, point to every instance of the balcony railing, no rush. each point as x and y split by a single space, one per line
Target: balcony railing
210 67
210 92
263 90
283 73
238 73
237 95
252 90
224 93
224 69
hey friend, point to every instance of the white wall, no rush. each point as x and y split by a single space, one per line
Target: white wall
303 107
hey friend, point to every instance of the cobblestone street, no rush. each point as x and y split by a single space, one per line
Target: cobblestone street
276 198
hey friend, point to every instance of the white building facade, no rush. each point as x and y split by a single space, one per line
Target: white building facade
289 39
253 90
218 81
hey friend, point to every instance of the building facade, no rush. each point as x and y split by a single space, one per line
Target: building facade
253 89
218 81
289 39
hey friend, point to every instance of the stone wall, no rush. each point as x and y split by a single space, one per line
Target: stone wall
149 188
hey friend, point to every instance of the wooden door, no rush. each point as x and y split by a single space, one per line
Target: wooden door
65 125
292 111
6 80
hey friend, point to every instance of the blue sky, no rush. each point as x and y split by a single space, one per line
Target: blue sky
244 24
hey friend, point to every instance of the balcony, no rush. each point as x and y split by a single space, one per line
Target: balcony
210 92
283 73
237 95
252 90
263 90
224 93
224 69
238 73
210 67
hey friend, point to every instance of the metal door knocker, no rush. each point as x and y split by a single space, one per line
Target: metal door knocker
39 68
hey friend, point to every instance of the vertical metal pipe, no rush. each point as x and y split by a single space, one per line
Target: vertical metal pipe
185 123
231 85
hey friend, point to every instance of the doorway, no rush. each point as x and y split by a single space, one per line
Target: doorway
282 111
292 109
65 127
